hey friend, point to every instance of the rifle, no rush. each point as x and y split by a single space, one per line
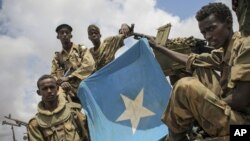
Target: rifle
9 123
199 46
12 128
19 123
140 35
61 73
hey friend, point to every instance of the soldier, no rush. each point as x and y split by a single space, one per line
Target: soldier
129 40
71 65
95 37
191 100
56 119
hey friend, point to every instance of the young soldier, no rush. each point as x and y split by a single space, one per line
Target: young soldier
56 119
71 65
191 100
95 37
107 49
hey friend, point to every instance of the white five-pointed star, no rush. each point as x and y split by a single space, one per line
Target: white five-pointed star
134 110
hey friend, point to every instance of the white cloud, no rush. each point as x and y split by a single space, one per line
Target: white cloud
28 40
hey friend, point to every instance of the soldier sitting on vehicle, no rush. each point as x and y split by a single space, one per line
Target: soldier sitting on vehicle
106 51
94 36
71 65
191 101
57 119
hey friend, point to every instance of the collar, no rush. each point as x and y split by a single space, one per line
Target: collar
228 51
61 105
74 46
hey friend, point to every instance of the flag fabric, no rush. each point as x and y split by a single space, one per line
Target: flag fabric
124 101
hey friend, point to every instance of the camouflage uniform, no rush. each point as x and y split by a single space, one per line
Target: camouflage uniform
204 67
107 49
192 101
78 62
62 124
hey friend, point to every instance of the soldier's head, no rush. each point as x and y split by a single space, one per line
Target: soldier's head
126 29
94 34
216 24
47 88
64 33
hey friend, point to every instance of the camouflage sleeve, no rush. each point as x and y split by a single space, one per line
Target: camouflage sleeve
241 62
107 50
111 43
203 67
205 60
87 64
34 134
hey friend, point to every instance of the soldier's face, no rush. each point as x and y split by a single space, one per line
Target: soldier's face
64 34
124 29
94 36
216 33
48 90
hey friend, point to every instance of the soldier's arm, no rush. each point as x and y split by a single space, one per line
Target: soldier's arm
107 50
240 99
176 56
87 65
207 60
240 77
34 134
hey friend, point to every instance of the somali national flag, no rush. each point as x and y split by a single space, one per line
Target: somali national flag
124 101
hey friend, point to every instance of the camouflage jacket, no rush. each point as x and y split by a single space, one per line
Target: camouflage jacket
78 62
58 125
223 62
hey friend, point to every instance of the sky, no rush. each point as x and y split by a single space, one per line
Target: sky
28 39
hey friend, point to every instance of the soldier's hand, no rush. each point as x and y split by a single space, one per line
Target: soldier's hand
63 79
66 86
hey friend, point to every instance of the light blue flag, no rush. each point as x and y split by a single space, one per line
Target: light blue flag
124 101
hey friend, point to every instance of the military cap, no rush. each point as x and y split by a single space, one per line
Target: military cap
63 25
93 27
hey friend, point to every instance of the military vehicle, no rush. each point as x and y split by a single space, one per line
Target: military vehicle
185 45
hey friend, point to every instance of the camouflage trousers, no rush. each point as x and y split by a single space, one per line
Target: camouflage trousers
192 101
